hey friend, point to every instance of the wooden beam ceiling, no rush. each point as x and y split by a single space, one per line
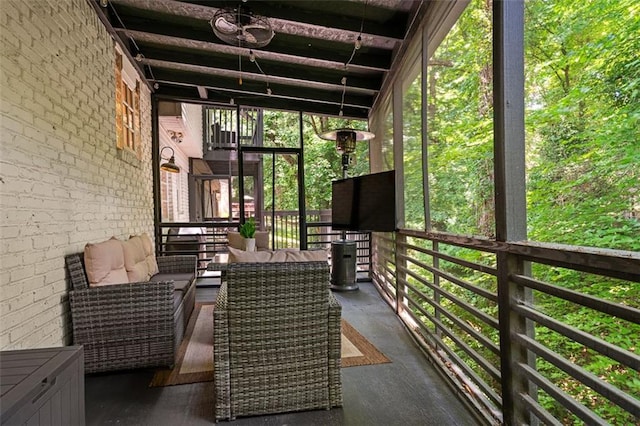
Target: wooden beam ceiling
303 65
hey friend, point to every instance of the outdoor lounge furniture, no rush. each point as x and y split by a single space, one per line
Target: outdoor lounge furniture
276 340
131 324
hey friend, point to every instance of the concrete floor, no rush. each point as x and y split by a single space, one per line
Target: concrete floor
407 391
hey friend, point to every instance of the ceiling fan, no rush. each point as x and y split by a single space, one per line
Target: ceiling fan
240 27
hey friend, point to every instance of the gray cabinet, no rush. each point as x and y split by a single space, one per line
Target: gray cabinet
42 386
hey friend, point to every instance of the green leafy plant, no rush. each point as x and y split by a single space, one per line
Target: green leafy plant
248 228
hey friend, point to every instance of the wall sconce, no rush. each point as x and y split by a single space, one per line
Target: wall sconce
170 166
176 137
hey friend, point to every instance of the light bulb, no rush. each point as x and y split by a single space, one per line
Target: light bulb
340 113
358 43
104 3
344 80
232 102
156 86
268 90
139 57
252 56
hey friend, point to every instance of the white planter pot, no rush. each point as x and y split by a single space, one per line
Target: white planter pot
250 244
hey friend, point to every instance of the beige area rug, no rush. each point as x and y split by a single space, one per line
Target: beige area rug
195 355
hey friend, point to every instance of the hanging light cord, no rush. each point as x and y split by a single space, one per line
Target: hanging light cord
252 58
357 45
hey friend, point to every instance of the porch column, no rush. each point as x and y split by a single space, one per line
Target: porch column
510 192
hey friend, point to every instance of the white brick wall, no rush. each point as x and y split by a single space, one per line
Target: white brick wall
62 180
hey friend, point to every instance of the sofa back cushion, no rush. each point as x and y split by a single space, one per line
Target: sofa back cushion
307 256
150 256
241 256
104 263
267 256
236 241
135 260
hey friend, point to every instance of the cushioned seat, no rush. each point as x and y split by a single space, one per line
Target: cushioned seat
181 282
276 338
129 309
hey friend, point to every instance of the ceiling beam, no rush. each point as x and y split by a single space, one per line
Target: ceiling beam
190 93
383 27
286 44
254 88
205 48
342 15
272 69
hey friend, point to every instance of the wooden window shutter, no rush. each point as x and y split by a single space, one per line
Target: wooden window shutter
136 121
119 106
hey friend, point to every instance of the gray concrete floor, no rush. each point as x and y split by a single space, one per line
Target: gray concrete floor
407 391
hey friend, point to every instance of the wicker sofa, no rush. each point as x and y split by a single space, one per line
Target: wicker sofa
276 340
131 324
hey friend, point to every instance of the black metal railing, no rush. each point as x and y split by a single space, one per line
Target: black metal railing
205 239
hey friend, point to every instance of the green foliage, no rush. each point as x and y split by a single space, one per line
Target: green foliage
248 228
582 155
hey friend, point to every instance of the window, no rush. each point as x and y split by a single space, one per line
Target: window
127 107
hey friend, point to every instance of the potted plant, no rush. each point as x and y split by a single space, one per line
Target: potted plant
248 232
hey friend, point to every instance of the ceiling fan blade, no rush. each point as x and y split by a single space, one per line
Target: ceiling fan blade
257 33
225 26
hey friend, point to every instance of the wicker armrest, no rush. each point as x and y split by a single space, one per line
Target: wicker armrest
335 351
177 264
221 355
122 311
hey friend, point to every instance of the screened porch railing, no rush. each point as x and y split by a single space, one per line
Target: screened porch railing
449 291
205 239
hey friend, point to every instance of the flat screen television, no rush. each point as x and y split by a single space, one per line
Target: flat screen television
365 203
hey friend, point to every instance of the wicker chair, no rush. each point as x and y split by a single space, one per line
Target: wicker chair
131 325
276 340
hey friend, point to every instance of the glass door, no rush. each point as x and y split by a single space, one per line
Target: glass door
271 179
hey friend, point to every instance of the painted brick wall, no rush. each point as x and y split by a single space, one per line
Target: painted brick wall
63 183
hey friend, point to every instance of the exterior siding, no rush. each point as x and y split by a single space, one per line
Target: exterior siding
63 183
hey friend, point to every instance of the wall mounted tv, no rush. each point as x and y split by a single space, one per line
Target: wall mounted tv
364 203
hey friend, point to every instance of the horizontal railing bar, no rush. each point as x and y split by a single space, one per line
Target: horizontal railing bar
612 351
455 319
540 412
383 237
472 353
492 322
380 281
607 262
615 309
473 376
466 263
392 275
489 320
475 289
610 392
585 414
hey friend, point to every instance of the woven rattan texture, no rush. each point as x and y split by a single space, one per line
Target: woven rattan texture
273 347
132 325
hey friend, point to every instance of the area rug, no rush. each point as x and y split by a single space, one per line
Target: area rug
195 355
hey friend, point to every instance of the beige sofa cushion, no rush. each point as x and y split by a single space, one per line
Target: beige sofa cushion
150 256
307 256
237 241
135 261
287 255
104 263
262 240
241 256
